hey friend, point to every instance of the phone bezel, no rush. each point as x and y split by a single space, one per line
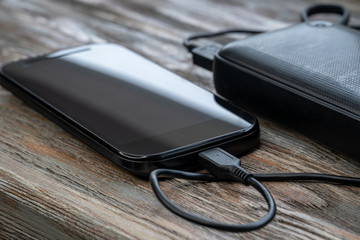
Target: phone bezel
134 163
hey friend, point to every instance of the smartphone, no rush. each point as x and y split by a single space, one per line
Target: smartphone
131 110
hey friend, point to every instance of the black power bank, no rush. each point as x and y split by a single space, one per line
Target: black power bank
306 76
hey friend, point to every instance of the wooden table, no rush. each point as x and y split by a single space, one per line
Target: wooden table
54 186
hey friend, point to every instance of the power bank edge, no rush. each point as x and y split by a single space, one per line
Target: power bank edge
265 96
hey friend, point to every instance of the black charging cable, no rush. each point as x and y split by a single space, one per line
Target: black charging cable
203 56
224 166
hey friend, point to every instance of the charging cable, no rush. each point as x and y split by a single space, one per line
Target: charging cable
223 166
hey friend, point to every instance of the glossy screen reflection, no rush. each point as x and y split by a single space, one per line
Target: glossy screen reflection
131 103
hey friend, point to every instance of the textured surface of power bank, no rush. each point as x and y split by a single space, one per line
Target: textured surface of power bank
305 76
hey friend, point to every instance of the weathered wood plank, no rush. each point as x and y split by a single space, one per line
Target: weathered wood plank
53 186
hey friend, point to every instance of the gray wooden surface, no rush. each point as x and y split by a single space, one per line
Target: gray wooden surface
53 186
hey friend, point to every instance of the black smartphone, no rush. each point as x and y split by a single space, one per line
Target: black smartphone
134 112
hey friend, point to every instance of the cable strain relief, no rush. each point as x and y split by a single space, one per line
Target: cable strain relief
203 56
190 46
240 174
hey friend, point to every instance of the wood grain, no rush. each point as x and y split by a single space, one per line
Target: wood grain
53 186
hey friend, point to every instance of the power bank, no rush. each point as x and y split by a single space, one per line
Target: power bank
305 76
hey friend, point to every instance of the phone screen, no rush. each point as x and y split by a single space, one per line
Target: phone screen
129 102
